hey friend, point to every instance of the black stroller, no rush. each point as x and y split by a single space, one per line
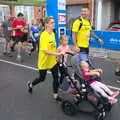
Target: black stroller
74 91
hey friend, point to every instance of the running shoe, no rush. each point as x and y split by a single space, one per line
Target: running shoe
115 94
58 99
12 49
29 87
9 54
18 58
4 53
113 100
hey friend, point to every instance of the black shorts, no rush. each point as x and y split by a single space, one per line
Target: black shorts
84 50
25 37
17 39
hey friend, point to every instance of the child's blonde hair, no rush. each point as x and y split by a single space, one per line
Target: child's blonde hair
84 64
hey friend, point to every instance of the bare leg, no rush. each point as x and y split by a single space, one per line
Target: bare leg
19 49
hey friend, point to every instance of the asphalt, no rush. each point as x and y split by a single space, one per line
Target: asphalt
105 53
17 104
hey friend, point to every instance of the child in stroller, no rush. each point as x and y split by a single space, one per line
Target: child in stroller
81 91
96 85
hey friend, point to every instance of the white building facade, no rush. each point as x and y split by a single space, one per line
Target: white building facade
106 11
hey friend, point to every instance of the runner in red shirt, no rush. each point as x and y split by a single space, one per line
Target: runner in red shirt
18 26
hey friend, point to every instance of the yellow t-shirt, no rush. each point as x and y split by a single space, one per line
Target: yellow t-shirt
83 35
47 42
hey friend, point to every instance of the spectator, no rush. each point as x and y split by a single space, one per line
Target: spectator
6 26
35 35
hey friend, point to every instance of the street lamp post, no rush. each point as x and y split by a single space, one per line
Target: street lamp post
99 14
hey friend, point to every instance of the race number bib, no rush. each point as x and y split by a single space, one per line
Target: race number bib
36 34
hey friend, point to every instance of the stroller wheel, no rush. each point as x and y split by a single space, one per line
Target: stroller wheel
108 107
68 108
100 113
99 116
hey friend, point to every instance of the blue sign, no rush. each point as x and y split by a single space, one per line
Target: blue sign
57 9
111 39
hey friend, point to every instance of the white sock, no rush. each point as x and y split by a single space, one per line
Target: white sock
55 96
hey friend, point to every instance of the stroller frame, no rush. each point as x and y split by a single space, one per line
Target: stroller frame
70 108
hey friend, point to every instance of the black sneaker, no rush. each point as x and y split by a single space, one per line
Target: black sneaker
4 53
29 86
9 54
12 49
117 73
58 99
118 81
29 54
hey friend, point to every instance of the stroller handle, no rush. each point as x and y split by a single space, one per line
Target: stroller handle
69 53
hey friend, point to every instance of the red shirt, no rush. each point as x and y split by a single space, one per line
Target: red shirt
18 23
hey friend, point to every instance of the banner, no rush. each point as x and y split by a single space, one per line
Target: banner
57 9
111 39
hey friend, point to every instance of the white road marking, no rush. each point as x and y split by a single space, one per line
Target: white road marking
17 64
33 68
20 65
114 88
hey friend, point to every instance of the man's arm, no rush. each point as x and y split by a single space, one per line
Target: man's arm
74 37
75 28
97 38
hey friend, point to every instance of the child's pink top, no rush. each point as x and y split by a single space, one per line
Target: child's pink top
64 49
86 77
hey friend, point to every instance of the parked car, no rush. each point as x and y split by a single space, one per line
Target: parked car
114 26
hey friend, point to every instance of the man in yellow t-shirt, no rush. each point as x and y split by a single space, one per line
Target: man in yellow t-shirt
81 33
82 30
47 58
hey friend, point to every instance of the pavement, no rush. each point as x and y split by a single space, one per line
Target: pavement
105 53
17 104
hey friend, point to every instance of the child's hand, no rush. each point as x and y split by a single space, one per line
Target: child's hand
60 54
100 70
76 49
98 74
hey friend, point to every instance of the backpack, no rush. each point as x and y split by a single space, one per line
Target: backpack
80 25
71 24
